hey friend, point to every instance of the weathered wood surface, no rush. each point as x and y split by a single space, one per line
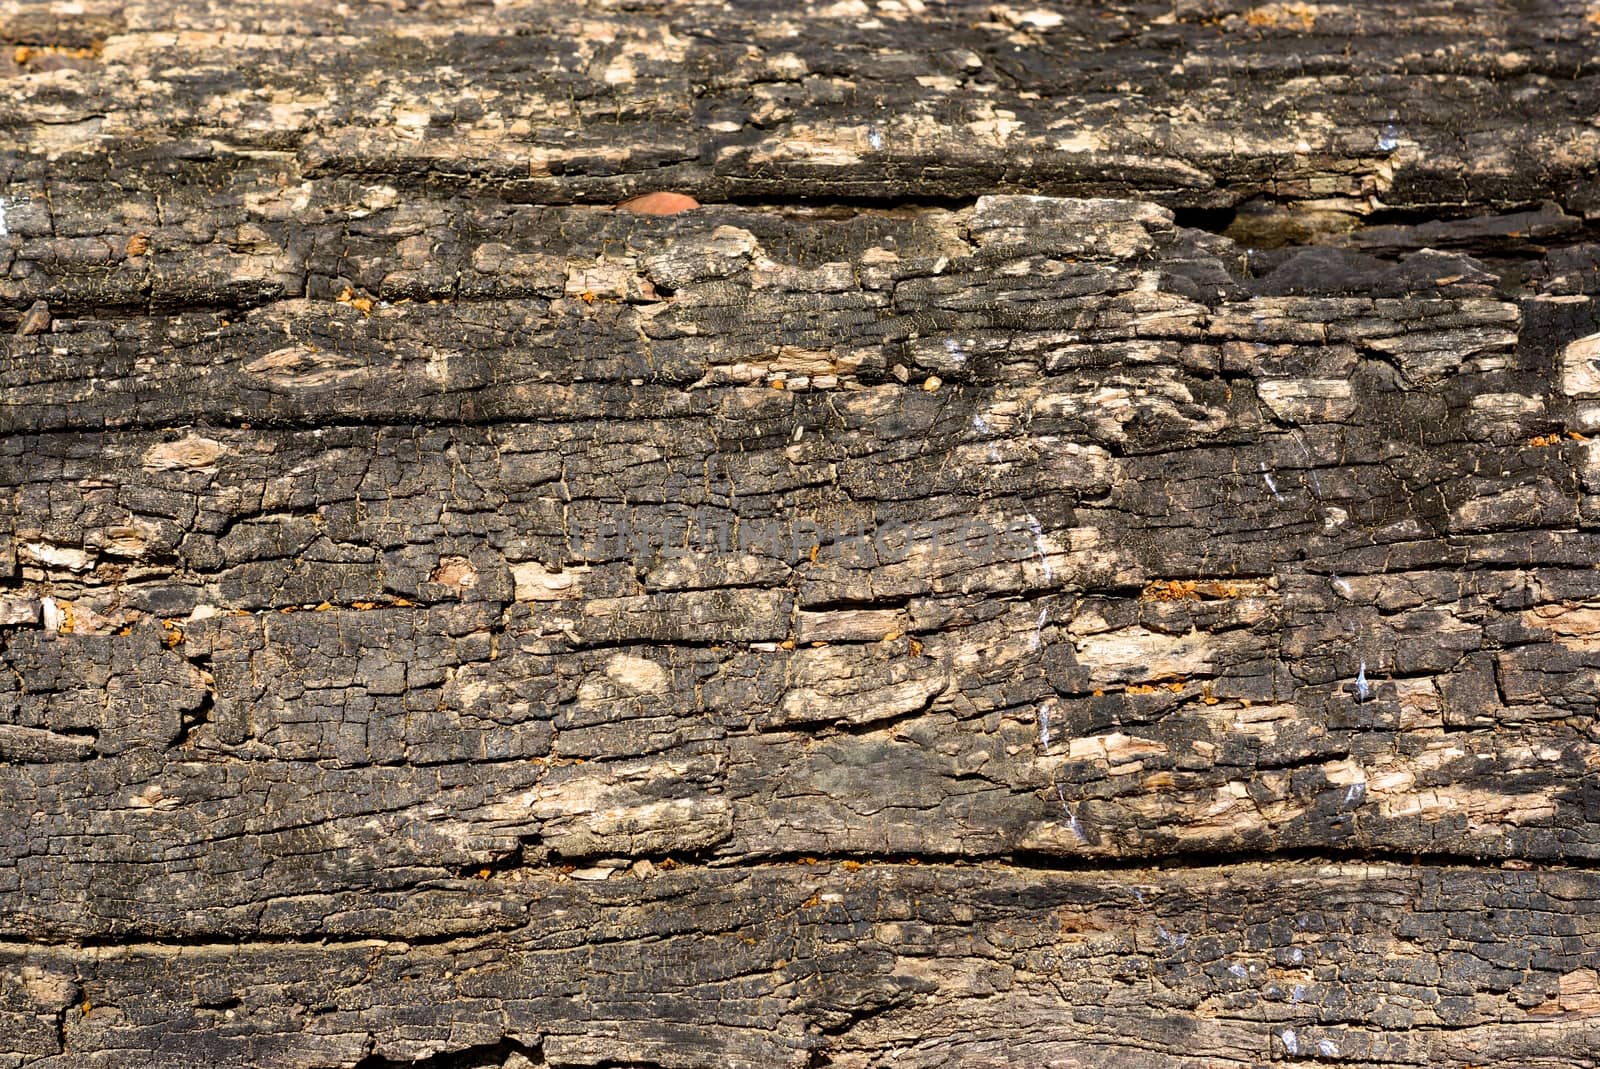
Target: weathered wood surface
1081 552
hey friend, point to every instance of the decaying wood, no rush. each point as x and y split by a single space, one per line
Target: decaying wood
1072 543
770 965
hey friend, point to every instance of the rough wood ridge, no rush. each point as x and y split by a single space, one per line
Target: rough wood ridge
1080 551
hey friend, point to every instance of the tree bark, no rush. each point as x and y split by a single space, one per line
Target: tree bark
1079 550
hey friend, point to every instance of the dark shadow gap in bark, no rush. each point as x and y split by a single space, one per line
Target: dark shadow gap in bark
481 1056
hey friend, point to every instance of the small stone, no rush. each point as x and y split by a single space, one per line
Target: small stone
932 383
658 204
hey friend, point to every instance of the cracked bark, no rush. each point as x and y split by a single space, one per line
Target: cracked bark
1080 551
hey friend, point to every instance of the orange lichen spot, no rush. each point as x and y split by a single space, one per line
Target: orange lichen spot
363 605
586 297
360 304
1540 441
174 634
808 861
777 384
323 607
666 863
851 866
138 245
812 902
814 551
1171 590
1576 437
658 204
786 644
1278 16
916 647
1097 693
1201 589
484 874
912 861
1141 688
21 56
892 635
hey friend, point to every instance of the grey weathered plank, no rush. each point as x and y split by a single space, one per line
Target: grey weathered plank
1211 102
795 964
448 620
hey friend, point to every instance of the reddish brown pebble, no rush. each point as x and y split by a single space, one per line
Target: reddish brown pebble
659 204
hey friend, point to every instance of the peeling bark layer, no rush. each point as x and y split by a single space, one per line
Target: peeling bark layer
1075 544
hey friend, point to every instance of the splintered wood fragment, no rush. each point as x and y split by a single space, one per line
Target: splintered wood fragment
36 320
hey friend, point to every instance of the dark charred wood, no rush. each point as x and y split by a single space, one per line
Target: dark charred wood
1070 539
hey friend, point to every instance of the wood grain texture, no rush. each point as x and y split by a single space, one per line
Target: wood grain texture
1072 543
